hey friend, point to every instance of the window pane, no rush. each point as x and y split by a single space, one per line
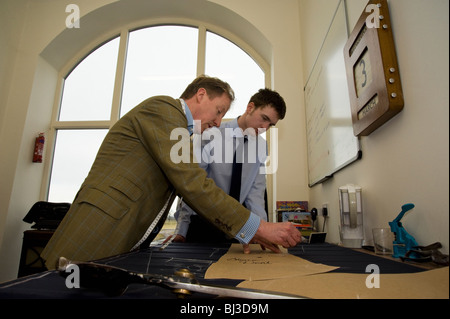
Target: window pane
88 90
160 61
230 63
75 151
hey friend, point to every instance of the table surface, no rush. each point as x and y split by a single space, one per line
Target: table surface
194 257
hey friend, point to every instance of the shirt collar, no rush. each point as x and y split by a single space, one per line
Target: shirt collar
190 119
234 125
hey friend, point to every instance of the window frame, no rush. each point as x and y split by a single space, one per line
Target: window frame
123 34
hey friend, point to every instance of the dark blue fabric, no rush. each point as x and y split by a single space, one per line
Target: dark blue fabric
195 257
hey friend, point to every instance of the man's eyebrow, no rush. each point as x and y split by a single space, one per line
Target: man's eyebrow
266 118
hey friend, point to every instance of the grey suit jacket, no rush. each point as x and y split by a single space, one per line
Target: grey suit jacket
131 180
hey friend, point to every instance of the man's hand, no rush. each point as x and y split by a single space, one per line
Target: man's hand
270 235
178 239
247 249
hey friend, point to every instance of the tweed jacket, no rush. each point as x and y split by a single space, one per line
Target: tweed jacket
131 180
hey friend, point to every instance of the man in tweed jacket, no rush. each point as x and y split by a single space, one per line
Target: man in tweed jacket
134 181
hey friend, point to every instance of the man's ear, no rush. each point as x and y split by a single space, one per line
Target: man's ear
250 108
201 94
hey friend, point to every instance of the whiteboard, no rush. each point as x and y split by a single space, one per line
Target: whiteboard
331 142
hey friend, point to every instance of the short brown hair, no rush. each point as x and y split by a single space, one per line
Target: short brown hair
213 86
267 97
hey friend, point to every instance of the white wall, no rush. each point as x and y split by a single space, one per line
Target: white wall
406 160
28 86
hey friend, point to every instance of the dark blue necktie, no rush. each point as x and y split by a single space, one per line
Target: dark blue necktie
236 175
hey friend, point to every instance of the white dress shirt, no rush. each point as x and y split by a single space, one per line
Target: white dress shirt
217 160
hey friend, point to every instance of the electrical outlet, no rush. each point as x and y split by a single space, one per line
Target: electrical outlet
325 209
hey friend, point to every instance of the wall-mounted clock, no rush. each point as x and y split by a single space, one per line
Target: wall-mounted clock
372 70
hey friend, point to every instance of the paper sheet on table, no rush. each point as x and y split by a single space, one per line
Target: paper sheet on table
261 264
432 284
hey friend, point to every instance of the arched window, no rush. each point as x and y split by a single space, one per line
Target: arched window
119 74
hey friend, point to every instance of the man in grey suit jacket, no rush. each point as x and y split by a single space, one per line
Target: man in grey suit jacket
133 182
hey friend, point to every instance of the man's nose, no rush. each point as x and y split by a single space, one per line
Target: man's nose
217 121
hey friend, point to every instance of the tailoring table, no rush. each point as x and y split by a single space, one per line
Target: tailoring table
196 258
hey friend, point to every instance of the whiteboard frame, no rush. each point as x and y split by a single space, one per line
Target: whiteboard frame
328 172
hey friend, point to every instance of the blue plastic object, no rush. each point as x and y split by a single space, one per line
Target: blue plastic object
403 241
